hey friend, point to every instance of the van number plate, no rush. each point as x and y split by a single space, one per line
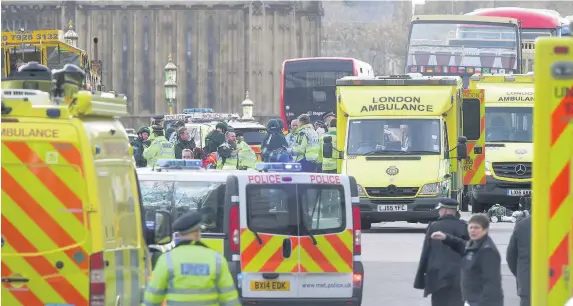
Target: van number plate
385 208
270 285
518 192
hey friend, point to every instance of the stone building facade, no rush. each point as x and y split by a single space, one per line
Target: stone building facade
221 48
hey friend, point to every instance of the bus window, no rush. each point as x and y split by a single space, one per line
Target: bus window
57 58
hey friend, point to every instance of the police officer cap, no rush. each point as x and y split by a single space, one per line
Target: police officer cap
157 128
158 117
188 223
329 114
448 203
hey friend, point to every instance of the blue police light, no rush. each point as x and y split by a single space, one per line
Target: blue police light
188 111
278 167
180 163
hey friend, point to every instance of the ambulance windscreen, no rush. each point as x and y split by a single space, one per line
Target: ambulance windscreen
509 124
394 136
299 209
252 136
180 197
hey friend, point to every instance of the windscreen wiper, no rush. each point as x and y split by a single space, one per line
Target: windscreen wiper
421 152
309 233
306 228
259 239
384 152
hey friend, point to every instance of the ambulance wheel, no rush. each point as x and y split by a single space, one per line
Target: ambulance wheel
366 224
477 207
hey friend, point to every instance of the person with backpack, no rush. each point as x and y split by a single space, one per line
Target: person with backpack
216 137
274 146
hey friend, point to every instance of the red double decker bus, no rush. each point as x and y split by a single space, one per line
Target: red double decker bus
534 23
463 45
308 85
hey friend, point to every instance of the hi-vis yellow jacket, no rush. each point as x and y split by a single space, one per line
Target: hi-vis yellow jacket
160 148
306 145
245 158
191 274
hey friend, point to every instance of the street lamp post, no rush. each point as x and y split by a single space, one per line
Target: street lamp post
170 84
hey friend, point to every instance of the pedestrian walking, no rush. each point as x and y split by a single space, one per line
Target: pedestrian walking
481 263
518 258
439 268
191 273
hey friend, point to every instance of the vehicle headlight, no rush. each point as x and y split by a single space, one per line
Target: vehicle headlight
361 192
487 168
431 189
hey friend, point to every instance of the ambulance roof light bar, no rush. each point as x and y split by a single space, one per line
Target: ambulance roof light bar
278 167
186 164
410 79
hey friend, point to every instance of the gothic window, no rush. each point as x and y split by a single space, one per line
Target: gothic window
189 93
147 84
124 55
211 62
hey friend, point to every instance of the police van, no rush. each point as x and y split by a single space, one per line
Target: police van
289 237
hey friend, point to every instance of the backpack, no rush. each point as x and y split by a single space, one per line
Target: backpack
209 143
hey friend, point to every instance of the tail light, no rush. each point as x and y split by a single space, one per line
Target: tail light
357 280
234 228
561 50
357 230
97 280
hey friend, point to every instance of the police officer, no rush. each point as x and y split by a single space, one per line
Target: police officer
234 155
160 147
156 120
439 268
329 165
139 145
191 273
305 149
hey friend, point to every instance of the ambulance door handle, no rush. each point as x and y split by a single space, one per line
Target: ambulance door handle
15 280
478 150
287 247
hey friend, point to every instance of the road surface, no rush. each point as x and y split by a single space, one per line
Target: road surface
391 252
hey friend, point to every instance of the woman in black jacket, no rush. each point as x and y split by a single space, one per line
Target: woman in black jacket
481 263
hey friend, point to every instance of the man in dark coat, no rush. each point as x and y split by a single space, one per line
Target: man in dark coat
216 137
518 258
439 268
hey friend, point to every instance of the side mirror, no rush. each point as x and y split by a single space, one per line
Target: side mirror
462 148
327 147
159 230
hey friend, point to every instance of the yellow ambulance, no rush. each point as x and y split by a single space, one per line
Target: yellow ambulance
402 138
552 212
72 231
290 238
509 101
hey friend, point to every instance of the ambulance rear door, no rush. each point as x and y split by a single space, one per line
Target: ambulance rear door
552 195
326 241
473 120
269 235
